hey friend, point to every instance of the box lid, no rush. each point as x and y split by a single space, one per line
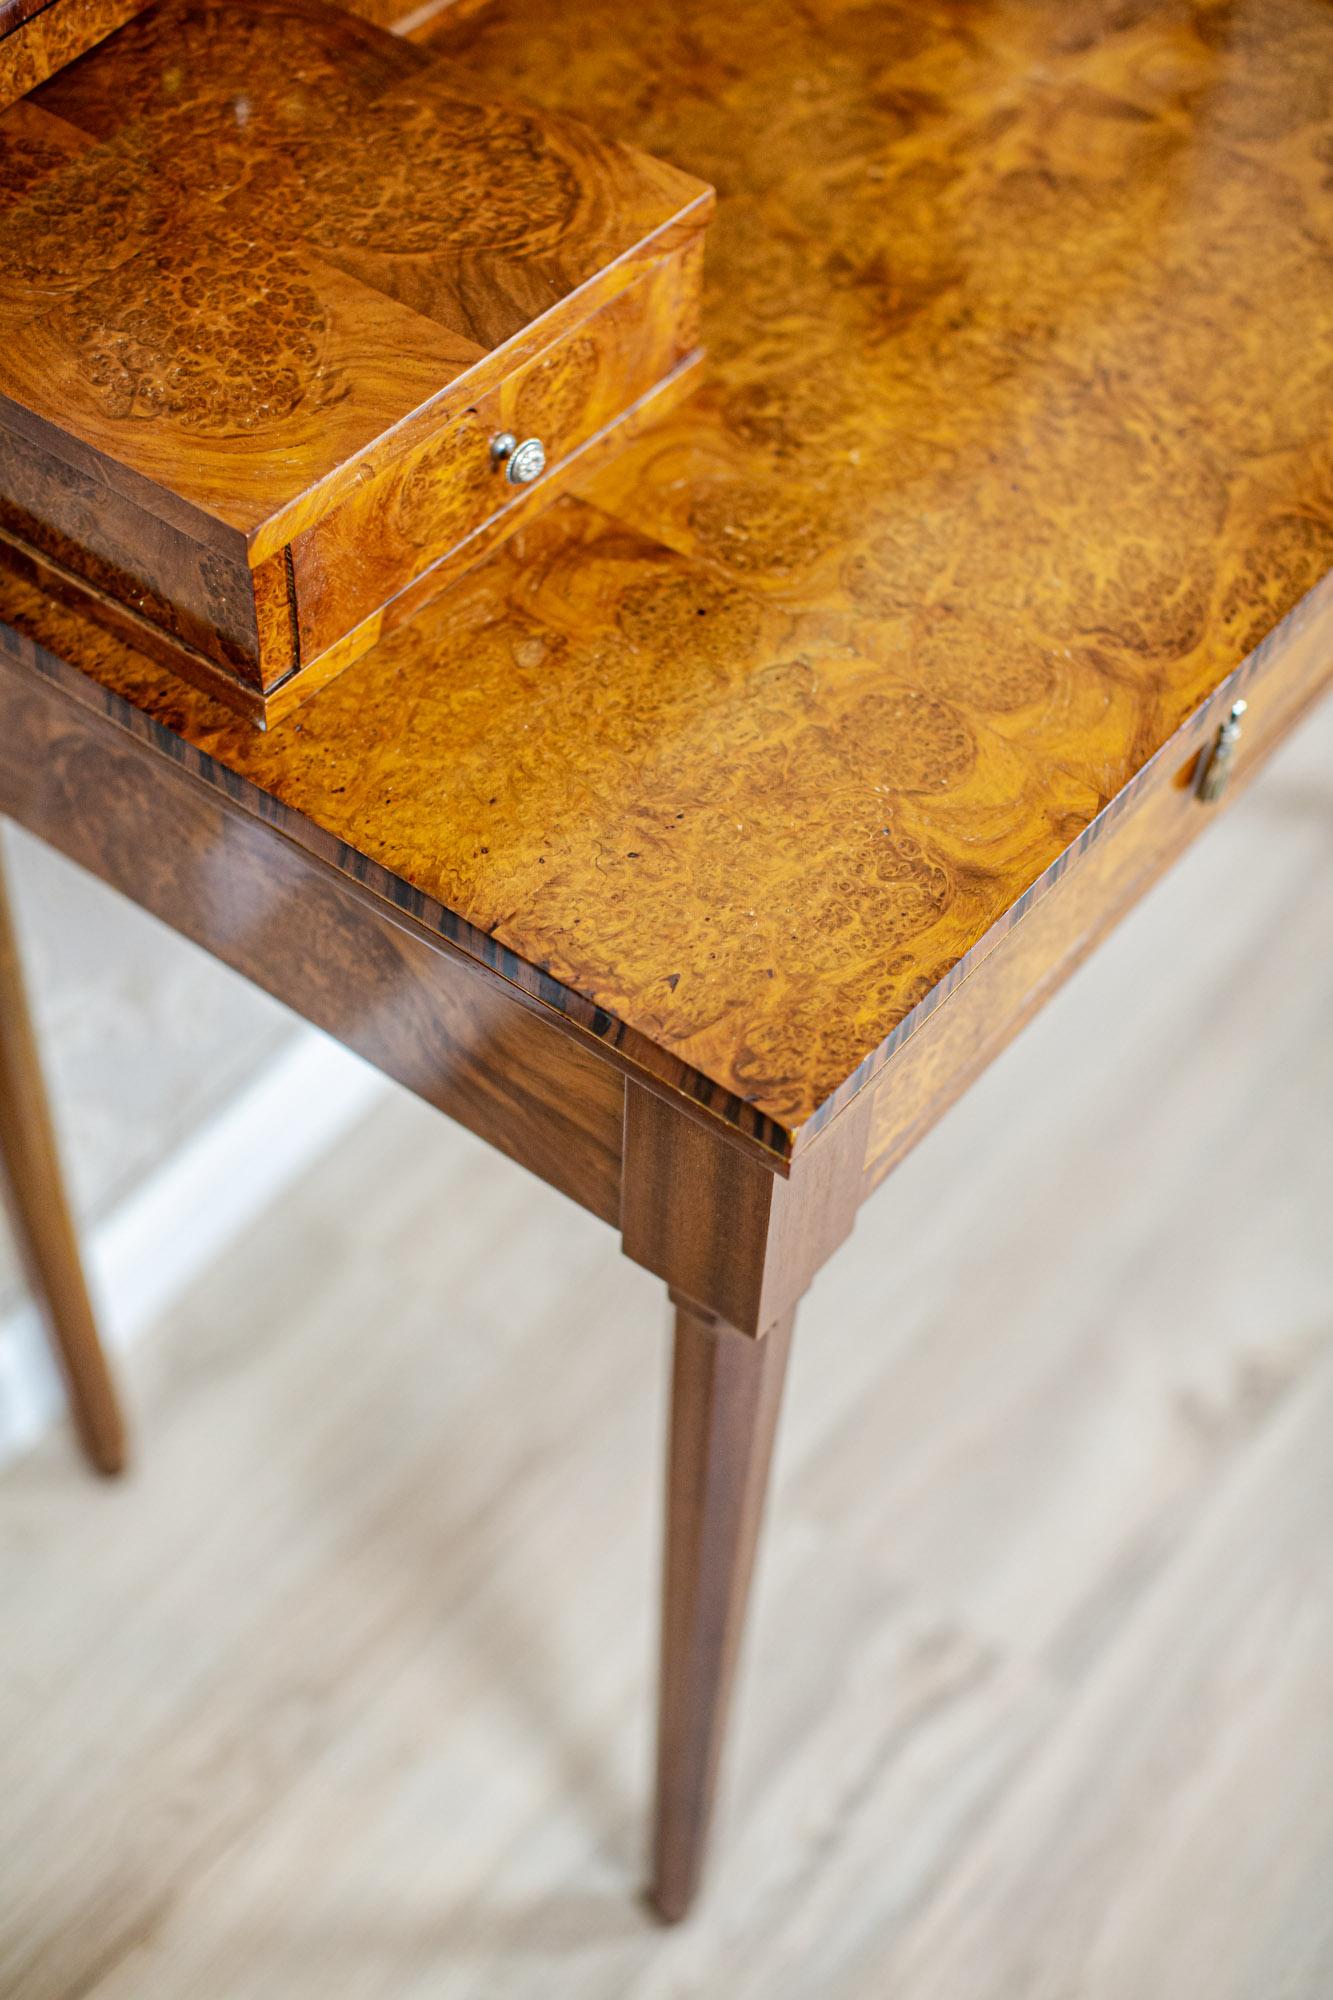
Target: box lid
271 244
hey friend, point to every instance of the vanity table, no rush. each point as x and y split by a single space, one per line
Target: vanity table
700 846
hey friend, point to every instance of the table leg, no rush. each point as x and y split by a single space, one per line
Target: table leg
737 1242
43 1229
725 1396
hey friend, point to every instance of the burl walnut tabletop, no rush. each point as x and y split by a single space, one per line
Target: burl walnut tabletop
791 761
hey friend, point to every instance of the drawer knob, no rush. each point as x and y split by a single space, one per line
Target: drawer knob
1215 766
522 462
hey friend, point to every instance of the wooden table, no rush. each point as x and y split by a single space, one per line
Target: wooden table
700 847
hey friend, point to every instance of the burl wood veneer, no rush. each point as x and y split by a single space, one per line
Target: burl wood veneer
274 284
1014 450
782 768
37 37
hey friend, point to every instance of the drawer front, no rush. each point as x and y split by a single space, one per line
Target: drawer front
1112 865
434 498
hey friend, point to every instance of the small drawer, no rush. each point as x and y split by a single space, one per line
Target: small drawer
1109 867
1161 810
425 512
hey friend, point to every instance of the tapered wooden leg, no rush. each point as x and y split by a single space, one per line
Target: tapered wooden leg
738 1241
725 1396
43 1229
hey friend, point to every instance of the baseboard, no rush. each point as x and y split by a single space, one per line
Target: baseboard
172 1227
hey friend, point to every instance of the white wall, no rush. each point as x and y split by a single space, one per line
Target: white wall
185 1101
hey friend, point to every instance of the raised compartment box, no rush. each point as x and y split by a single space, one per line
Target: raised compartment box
293 327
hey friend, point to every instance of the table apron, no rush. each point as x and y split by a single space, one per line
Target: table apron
1141 832
262 904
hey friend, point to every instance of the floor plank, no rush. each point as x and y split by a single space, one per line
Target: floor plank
1174 1837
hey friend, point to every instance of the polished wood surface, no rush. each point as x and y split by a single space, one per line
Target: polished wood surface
720 1225
495 1060
37 37
31 1182
783 769
726 1393
274 283
1146 830
1013 451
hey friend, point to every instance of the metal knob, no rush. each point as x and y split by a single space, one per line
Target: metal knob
1215 765
522 462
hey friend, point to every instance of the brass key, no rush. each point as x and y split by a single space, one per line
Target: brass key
1215 768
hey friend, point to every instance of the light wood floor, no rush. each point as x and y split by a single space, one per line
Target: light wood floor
346 1694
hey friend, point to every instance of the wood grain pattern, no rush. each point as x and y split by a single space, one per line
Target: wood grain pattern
404 524
496 763
726 1395
952 1042
752 754
277 288
31 1182
268 582
13 13
211 604
37 37
1013 453
349 963
727 1233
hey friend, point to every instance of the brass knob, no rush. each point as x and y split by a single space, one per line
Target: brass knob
522 462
